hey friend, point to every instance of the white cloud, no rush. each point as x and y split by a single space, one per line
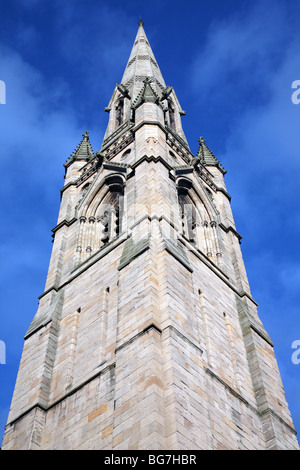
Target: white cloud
243 78
39 129
246 43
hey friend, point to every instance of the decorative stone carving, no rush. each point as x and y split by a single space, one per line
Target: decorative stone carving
151 145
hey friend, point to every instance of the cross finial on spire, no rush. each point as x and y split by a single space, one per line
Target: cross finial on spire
141 23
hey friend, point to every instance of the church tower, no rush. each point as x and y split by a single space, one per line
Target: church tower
146 335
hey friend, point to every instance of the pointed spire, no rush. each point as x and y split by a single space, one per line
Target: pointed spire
205 155
83 151
142 81
142 64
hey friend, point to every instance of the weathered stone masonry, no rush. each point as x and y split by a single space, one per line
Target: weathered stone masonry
146 335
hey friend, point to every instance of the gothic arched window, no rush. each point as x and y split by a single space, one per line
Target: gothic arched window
101 219
171 115
188 210
119 112
110 211
188 216
110 215
198 224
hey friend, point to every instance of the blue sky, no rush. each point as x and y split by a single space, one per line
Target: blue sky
232 65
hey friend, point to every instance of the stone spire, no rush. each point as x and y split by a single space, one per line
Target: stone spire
141 65
205 155
142 81
83 151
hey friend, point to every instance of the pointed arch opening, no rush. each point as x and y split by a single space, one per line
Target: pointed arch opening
188 215
109 212
171 110
197 222
109 215
101 218
120 111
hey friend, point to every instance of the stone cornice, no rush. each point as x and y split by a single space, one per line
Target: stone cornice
241 398
149 123
222 190
67 186
63 223
185 169
119 143
87 263
178 138
149 159
115 135
104 250
215 269
231 229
